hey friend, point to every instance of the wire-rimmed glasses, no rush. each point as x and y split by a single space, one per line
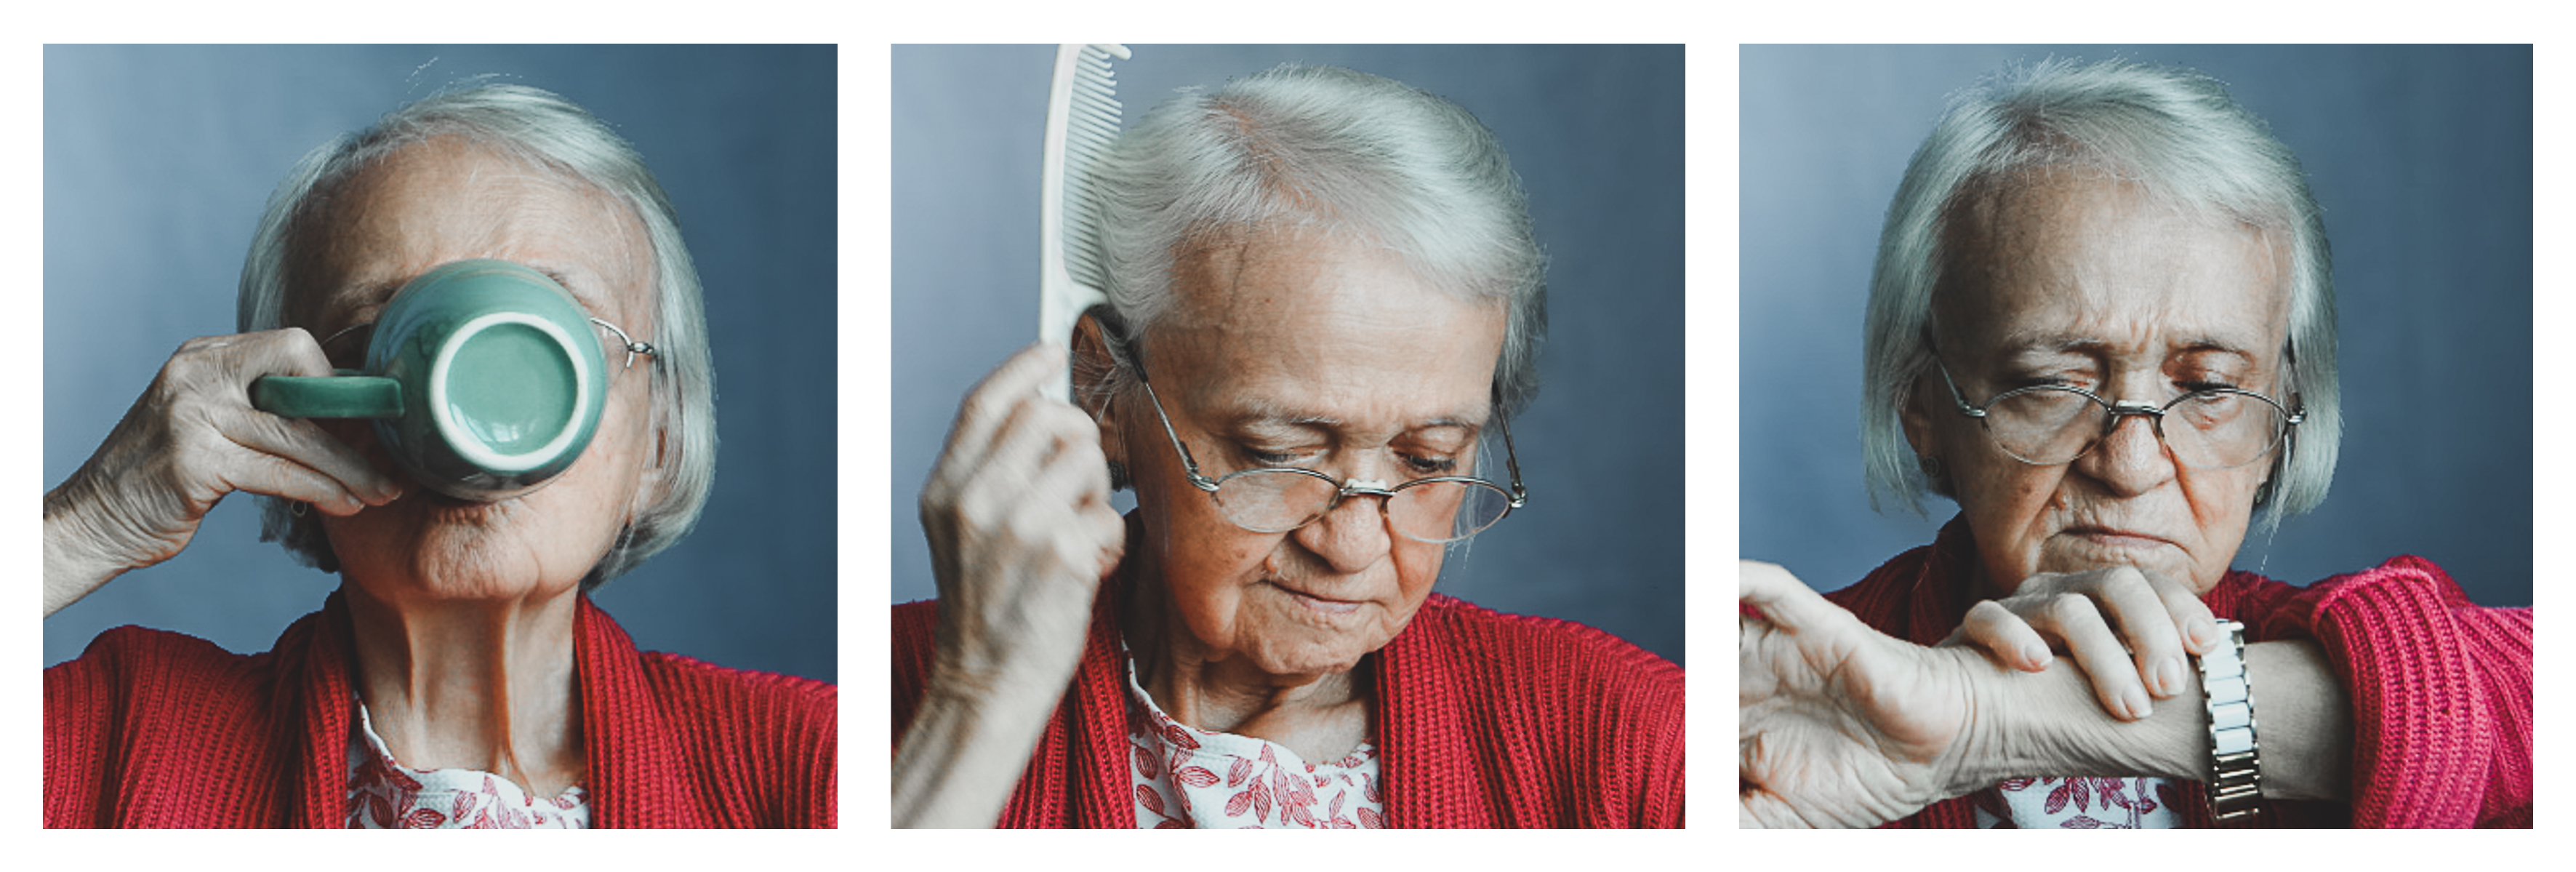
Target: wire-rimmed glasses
347 348
2050 424
1435 509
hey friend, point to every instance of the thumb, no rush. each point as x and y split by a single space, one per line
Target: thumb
1784 600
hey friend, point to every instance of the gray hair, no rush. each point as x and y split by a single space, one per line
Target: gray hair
1327 149
2173 132
549 132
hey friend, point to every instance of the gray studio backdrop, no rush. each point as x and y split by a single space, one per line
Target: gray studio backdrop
2422 159
1596 134
157 163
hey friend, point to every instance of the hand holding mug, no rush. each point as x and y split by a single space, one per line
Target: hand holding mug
190 439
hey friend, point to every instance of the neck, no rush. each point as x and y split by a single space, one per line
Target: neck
484 685
1321 717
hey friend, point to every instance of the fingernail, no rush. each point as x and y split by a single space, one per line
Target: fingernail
2169 676
2136 699
2036 653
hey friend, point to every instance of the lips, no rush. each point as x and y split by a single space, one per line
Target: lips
1328 605
2116 536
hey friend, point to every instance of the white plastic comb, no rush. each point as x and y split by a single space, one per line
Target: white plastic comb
1082 120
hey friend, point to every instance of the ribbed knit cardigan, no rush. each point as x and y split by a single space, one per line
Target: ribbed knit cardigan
1482 719
149 728
2440 687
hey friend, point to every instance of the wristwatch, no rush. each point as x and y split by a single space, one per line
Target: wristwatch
2235 763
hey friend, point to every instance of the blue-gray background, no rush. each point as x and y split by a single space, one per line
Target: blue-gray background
2422 159
1596 134
157 163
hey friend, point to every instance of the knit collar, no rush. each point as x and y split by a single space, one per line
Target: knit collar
633 760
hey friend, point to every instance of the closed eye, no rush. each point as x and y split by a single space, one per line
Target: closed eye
1259 457
1430 466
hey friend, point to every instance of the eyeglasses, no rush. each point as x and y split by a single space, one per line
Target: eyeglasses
2046 425
347 349
1437 509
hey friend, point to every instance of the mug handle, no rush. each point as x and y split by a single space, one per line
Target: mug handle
347 395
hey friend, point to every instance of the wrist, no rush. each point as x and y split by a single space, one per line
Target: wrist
1992 732
2049 724
74 562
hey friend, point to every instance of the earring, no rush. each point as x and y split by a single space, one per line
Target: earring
1935 476
298 508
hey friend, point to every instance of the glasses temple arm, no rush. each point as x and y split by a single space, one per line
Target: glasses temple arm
1512 461
1188 464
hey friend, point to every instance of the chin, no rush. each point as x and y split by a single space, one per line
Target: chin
1306 653
2167 560
457 559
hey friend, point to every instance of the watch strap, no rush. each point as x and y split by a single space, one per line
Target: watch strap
2235 761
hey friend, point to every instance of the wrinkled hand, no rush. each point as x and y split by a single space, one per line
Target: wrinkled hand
1841 725
188 441
1021 533
2129 629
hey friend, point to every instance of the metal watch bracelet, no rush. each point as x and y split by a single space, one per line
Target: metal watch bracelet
2235 763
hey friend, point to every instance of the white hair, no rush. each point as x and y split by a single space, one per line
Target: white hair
1324 149
551 133
2174 133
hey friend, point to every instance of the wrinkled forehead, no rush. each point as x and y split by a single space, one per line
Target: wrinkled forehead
1326 326
451 198
2066 258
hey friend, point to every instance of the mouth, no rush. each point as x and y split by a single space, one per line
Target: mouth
1323 604
2117 538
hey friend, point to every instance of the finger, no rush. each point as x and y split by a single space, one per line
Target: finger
2154 642
269 475
290 351
308 445
1783 599
1110 531
1042 442
1761 810
991 403
2077 624
2005 636
2198 625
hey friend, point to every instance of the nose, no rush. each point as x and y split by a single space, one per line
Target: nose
2132 458
1354 535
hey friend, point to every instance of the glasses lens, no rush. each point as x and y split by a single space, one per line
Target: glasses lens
1269 501
2045 426
2223 429
1446 511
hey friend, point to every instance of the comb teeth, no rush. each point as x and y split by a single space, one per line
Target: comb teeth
1090 126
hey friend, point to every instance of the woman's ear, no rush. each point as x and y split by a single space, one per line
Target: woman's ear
1918 422
661 463
1094 368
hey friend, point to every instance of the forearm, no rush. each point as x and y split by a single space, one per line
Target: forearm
2049 724
963 755
73 566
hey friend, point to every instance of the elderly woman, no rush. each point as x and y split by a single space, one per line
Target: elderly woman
1324 304
2102 322
460 676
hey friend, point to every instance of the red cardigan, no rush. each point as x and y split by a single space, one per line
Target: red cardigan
1482 719
2440 687
156 729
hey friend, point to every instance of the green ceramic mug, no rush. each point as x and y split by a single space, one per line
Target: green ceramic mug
483 377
